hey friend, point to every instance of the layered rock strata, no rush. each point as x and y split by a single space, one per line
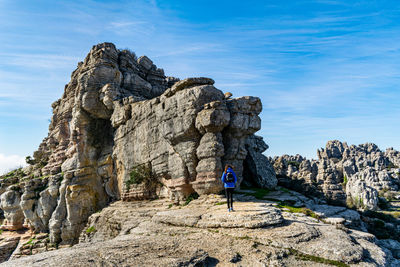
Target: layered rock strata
123 130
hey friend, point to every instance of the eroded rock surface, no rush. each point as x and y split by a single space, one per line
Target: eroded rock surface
356 175
159 233
120 114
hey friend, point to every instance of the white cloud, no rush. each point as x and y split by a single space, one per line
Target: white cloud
38 61
10 162
123 24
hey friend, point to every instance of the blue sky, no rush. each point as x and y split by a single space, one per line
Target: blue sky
324 69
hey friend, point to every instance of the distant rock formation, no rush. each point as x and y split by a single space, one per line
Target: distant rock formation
352 175
123 130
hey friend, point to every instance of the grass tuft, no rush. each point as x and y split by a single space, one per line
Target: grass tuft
306 257
246 237
259 193
306 211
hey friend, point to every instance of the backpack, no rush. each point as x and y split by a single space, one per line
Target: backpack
229 178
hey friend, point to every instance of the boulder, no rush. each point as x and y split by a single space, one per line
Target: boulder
10 204
258 169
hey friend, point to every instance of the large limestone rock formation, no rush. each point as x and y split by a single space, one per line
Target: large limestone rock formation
123 130
356 175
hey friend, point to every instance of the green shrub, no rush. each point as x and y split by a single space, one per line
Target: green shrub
90 230
40 158
354 203
391 165
191 197
294 163
141 174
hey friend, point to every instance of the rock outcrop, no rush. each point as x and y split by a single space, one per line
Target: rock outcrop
124 130
356 175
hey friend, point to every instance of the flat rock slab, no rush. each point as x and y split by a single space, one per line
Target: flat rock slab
326 210
179 217
284 196
246 215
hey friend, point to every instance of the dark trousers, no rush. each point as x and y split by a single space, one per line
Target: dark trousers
229 197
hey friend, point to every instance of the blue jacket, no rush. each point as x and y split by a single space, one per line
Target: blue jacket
229 185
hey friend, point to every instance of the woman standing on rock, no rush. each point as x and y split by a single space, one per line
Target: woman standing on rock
229 179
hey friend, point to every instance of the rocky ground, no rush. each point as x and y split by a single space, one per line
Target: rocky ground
267 228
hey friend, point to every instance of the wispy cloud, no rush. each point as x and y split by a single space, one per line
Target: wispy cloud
10 162
37 61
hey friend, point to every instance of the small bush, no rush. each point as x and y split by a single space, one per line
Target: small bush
142 174
90 230
40 158
191 197
355 203
391 165
137 175
294 163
